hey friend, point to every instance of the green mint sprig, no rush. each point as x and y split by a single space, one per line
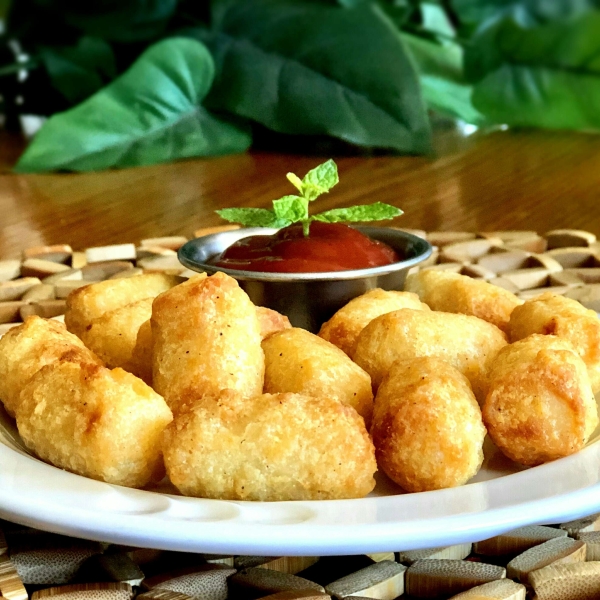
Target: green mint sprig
294 208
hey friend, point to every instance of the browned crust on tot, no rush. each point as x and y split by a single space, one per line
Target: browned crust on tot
456 293
343 329
25 349
92 301
95 422
551 314
427 426
540 405
271 321
269 447
206 338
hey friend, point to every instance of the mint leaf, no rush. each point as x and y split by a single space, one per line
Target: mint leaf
295 181
294 209
319 180
366 212
291 208
253 217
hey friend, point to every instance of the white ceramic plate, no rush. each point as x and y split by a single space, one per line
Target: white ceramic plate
501 498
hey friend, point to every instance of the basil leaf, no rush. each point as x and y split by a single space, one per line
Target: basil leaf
320 180
306 68
79 71
252 217
542 76
148 115
291 208
366 212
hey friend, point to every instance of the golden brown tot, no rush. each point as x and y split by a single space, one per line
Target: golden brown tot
343 329
540 404
206 338
140 363
94 422
25 349
550 314
92 301
113 336
300 362
271 321
427 426
455 293
269 447
467 343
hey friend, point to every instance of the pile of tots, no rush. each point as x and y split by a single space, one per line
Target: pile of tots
154 375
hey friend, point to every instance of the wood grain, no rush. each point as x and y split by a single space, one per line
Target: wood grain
503 180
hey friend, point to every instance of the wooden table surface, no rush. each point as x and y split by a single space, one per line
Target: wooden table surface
502 180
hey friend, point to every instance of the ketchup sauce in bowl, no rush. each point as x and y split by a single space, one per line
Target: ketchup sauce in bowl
328 247
301 281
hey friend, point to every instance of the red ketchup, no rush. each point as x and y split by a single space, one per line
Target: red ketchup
329 247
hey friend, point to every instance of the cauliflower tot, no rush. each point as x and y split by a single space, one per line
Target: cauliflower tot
343 329
140 363
467 343
92 301
206 338
455 293
269 447
540 404
113 336
427 426
25 349
271 321
300 362
94 422
550 314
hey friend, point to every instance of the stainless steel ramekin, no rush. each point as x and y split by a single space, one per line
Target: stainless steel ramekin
309 299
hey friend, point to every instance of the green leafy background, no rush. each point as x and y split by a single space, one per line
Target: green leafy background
135 82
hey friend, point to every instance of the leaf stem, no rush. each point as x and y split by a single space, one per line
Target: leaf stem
305 227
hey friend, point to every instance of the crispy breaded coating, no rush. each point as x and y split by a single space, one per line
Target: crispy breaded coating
343 329
300 362
90 302
113 336
427 426
269 447
540 404
25 349
140 363
467 343
455 293
550 314
94 422
271 321
206 338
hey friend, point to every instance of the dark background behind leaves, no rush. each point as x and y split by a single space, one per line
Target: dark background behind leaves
363 74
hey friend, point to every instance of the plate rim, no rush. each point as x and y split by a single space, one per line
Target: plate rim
35 493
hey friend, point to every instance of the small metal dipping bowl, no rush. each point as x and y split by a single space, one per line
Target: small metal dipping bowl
309 299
